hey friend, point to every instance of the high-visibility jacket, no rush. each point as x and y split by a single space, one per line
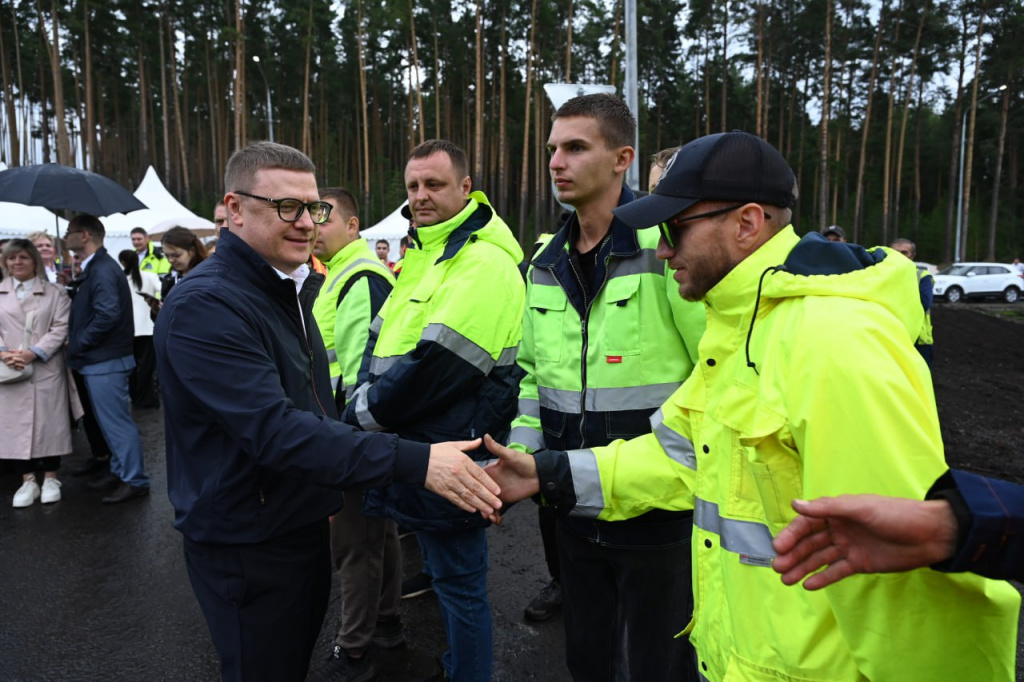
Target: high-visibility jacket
597 369
441 357
926 283
822 394
356 287
155 260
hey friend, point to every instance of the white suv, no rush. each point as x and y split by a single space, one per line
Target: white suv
978 280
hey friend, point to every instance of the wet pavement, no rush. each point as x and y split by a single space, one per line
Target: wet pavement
96 592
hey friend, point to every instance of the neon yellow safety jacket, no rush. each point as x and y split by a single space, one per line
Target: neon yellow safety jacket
926 283
356 287
809 387
597 369
441 357
155 261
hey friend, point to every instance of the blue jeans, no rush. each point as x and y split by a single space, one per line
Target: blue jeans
107 383
457 563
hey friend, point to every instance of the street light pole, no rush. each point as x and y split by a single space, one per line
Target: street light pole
270 108
960 218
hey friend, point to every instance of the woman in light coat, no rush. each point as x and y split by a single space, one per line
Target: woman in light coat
34 414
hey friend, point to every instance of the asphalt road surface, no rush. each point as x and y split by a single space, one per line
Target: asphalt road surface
95 592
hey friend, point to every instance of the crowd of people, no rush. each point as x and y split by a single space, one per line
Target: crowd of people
651 375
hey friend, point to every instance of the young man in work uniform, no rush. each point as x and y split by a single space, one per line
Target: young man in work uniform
605 341
364 549
771 415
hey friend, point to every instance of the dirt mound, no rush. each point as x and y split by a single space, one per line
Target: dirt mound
979 387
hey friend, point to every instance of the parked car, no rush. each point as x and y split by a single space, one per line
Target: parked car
961 281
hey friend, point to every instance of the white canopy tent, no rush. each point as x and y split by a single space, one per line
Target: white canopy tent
18 220
162 209
392 228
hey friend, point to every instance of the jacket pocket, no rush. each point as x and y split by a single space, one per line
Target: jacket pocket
547 312
621 332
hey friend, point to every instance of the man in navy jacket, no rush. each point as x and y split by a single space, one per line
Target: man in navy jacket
101 335
255 454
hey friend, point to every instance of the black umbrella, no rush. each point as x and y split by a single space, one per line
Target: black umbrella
54 186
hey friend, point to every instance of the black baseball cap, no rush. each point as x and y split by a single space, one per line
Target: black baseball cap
734 166
834 229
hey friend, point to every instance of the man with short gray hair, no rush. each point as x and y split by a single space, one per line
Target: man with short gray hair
255 455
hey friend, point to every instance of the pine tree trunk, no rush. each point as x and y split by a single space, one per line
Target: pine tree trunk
823 128
239 80
416 66
759 126
503 122
973 116
903 123
307 135
53 50
993 217
89 134
568 45
949 254
479 93
858 201
165 113
365 108
524 178
179 124
12 119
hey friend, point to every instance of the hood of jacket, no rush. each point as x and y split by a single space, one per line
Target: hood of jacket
476 221
788 267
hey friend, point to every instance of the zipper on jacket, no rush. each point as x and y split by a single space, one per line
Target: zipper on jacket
585 333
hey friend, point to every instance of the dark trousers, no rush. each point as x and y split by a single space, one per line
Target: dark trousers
142 386
30 466
263 603
93 434
622 609
547 519
368 560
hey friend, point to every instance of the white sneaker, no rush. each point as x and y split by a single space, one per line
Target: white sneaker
27 493
51 491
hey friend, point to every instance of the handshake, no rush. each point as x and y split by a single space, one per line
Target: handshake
462 482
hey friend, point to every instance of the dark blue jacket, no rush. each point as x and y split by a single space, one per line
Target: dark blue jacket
102 326
254 449
990 515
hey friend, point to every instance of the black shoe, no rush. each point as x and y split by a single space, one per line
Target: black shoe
421 583
125 492
546 604
388 633
103 481
92 466
340 667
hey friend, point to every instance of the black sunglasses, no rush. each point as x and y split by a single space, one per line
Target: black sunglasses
676 223
290 210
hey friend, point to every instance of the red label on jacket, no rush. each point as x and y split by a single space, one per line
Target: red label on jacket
613 359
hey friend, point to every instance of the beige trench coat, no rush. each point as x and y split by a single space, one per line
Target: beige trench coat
35 416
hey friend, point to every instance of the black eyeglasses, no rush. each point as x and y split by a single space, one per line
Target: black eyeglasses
675 223
290 210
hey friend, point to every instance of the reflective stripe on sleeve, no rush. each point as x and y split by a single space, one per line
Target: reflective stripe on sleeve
677 446
448 338
607 399
749 539
332 355
528 407
524 435
376 325
362 409
380 365
334 383
507 357
586 480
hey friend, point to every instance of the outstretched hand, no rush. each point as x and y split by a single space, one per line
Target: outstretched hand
515 472
457 478
853 534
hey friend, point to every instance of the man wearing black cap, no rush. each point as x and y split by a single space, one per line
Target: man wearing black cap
771 415
834 233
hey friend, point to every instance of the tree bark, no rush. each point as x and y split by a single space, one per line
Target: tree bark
972 118
89 132
307 134
239 80
524 178
503 121
948 252
12 119
365 108
993 217
858 202
903 123
823 128
568 45
416 66
480 92
165 114
53 50
179 124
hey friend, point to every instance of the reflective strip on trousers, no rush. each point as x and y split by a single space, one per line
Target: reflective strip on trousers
362 409
678 447
586 481
448 338
530 438
749 539
607 399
